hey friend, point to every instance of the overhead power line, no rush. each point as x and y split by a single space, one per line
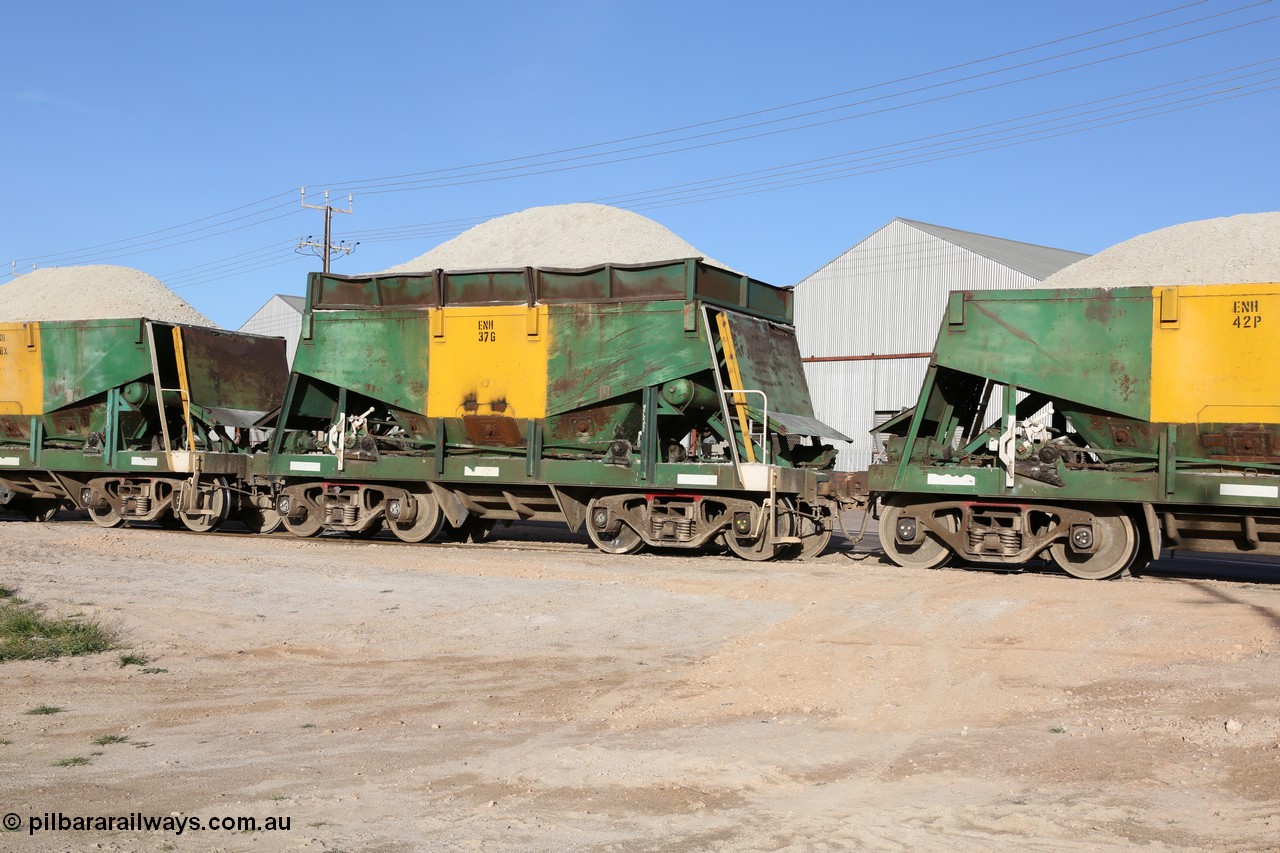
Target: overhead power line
54 258
362 183
557 166
732 129
1003 129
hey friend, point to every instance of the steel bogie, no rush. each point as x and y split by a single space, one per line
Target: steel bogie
112 502
622 523
359 510
197 504
1093 541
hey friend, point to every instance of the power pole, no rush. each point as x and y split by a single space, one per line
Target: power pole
326 249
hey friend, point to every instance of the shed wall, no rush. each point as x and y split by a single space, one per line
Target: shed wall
885 296
277 318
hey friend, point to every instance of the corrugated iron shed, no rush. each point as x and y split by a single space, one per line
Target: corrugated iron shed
866 321
1038 262
281 316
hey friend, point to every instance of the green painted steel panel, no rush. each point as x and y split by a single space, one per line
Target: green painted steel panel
382 355
769 358
609 283
85 358
687 279
1088 346
234 371
601 351
496 287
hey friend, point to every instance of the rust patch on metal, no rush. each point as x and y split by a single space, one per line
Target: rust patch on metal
493 430
1100 308
850 485
235 371
1246 441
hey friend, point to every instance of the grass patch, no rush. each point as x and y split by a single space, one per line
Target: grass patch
154 670
78 761
26 633
1058 730
107 740
130 659
42 710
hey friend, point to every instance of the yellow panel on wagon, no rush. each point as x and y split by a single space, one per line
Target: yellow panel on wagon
1213 354
21 372
488 360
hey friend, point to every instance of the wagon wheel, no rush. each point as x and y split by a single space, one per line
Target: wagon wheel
765 547
260 520
105 517
38 509
814 532
217 500
1117 545
625 540
308 521
425 524
930 553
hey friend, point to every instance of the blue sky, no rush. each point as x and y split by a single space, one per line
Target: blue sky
174 137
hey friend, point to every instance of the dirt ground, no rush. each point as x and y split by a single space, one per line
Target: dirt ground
542 696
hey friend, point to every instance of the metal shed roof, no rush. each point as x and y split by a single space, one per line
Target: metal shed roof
1039 262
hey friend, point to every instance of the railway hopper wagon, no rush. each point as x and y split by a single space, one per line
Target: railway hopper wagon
136 420
1123 421
661 404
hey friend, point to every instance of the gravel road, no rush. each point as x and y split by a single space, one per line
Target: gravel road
542 696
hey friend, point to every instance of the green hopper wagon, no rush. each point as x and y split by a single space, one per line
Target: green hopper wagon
660 404
136 420
1092 427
